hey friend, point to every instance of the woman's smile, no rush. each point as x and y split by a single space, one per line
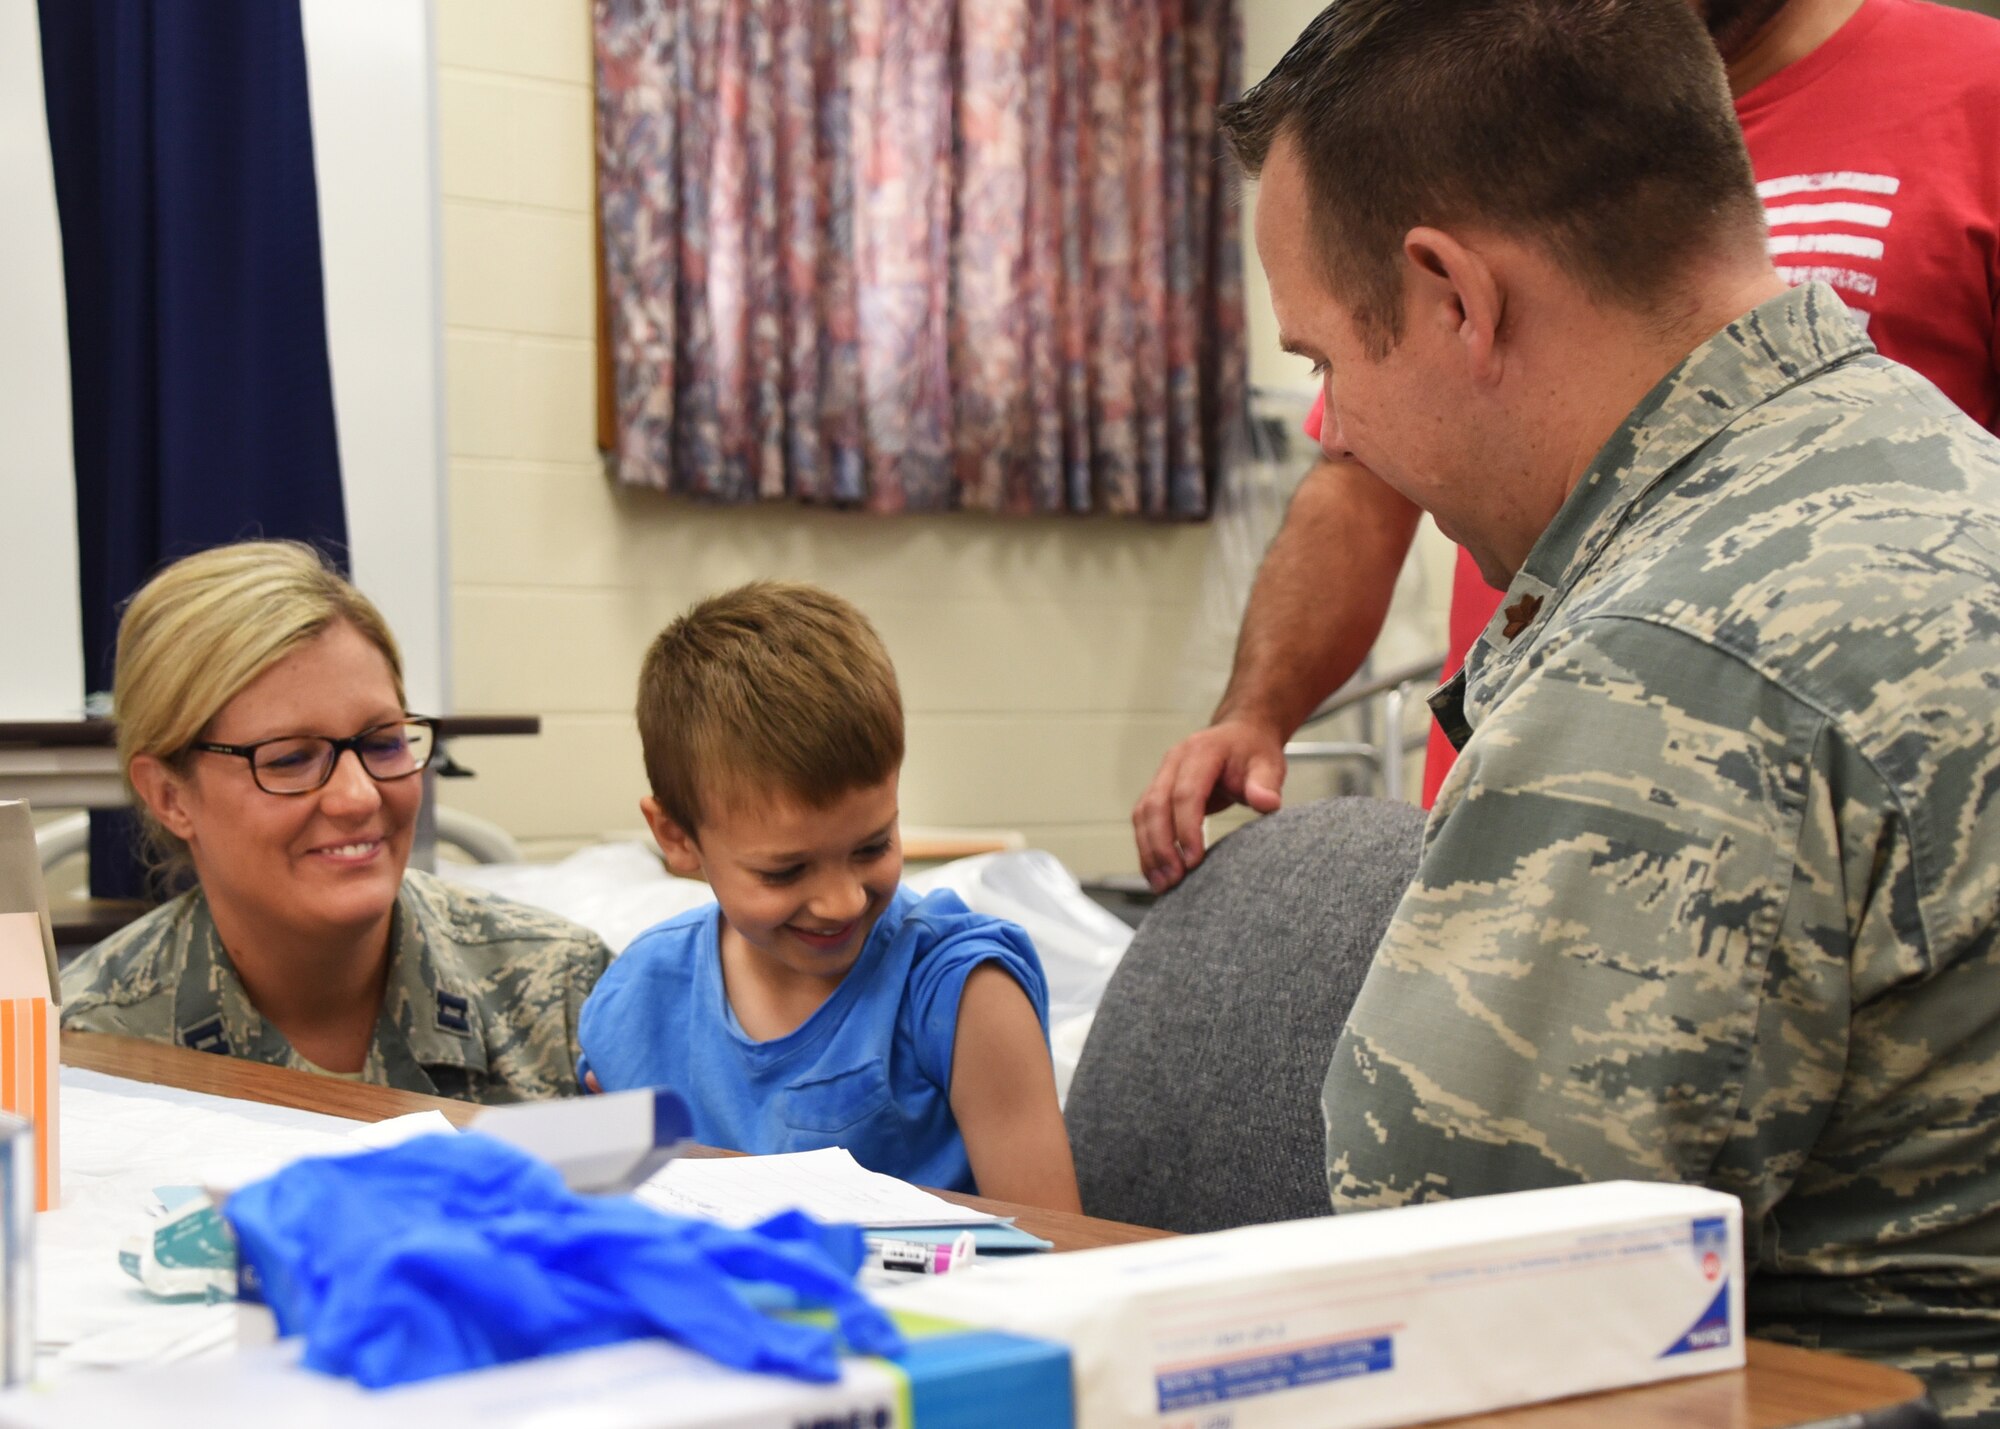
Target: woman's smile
353 851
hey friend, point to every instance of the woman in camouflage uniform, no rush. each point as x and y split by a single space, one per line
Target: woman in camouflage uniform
245 676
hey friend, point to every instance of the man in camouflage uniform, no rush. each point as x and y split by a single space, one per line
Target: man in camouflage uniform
1711 895
481 1003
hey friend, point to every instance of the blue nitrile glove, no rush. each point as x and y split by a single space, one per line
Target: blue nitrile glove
451 1252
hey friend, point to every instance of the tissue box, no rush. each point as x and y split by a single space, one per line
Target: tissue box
30 998
1393 1317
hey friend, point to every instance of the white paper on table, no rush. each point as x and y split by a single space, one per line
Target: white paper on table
399 1129
164 1333
641 1384
829 1185
118 1147
121 1139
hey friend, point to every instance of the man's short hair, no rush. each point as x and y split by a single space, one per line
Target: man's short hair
1603 128
768 690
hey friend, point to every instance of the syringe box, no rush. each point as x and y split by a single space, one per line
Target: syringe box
1393 1317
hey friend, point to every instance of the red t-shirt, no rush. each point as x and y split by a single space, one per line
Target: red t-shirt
1878 160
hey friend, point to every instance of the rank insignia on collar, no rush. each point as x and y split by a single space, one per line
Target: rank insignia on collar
454 1013
206 1037
1521 614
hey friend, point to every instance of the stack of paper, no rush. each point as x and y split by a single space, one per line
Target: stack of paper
828 1185
833 1186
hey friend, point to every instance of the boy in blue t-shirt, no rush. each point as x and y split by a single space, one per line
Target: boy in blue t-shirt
818 1002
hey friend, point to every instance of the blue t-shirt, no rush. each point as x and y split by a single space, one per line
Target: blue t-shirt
870 1070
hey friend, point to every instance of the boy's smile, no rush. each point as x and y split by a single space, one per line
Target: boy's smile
800 888
826 940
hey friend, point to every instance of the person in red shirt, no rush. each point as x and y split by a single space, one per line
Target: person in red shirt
1874 130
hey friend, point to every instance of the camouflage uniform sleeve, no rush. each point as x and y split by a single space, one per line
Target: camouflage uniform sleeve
1575 987
484 994
585 971
93 1011
126 984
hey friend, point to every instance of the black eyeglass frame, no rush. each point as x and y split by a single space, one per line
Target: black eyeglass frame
248 753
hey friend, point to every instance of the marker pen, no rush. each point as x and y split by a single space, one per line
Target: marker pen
920 1257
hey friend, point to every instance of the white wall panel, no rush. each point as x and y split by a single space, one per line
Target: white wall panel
41 641
372 78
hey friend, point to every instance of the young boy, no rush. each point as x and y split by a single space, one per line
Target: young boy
818 1002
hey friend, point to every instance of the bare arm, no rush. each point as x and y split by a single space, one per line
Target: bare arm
1320 596
1003 1096
1314 613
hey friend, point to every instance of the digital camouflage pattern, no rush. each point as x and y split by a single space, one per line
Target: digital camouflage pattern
482 1000
1711 895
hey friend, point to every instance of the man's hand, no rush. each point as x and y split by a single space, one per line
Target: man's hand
1234 761
1305 631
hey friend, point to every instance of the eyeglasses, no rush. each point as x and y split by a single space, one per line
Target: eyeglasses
301 763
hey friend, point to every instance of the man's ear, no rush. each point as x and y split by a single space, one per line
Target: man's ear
164 793
1456 287
677 845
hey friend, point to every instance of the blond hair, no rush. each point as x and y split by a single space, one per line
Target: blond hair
202 629
771 688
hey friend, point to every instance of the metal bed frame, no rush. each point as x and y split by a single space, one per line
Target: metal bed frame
1382 702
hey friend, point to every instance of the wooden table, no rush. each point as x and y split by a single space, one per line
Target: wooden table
1782 1388
281 1086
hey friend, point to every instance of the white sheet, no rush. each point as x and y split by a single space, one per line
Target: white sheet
121 1139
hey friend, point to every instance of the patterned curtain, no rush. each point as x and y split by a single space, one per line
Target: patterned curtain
921 255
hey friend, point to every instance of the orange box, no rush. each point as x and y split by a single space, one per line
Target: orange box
30 999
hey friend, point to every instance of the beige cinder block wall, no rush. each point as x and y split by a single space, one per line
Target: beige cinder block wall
1040 658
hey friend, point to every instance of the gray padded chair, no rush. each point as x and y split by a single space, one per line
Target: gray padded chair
1196 1103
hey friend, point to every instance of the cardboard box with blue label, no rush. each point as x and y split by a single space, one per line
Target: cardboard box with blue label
1393 1317
951 1378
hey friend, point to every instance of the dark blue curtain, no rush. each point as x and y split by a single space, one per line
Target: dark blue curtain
202 400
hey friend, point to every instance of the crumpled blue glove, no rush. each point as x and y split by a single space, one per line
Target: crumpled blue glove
450 1252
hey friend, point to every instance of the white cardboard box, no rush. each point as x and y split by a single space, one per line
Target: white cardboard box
949 1380
1388 1318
